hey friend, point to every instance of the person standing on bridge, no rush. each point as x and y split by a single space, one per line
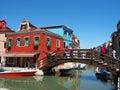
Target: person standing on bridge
114 54
67 52
103 50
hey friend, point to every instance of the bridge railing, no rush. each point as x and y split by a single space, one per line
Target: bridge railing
77 54
113 62
54 58
80 55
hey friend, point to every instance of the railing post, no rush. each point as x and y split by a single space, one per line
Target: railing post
71 54
91 56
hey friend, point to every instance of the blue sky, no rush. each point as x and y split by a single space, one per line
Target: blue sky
92 21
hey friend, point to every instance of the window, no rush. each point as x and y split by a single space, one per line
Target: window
58 43
0 59
36 41
48 42
70 34
23 27
26 41
18 41
3 24
10 60
10 42
4 44
65 33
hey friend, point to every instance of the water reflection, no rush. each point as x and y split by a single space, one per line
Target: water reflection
81 80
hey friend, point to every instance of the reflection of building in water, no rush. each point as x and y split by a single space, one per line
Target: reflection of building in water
23 83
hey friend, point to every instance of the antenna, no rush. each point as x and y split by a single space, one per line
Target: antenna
4 17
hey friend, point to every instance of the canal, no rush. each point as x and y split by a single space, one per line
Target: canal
81 80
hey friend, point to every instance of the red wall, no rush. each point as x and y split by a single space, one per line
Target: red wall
42 47
3 27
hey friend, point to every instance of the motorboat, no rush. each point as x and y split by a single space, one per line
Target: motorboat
12 73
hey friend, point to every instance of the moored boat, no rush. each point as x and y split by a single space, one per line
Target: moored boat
13 73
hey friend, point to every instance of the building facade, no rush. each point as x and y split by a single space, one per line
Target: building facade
30 44
62 30
3 31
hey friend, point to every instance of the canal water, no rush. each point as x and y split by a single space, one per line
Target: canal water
80 80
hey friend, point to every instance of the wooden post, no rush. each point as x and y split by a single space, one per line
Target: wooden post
71 53
91 56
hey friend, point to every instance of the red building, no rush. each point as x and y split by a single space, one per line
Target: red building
30 44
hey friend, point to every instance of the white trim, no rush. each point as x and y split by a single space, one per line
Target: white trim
57 43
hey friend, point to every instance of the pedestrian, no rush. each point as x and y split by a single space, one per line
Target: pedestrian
67 50
114 54
103 50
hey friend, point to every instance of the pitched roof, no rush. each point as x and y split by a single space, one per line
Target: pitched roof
57 26
29 26
4 29
37 31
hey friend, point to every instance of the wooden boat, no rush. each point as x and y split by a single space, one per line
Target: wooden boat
15 73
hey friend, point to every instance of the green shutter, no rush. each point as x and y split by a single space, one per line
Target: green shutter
48 42
9 42
36 41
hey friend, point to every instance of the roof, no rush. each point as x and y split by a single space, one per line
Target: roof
30 26
2 21
37 31
6 31
57 26
4 28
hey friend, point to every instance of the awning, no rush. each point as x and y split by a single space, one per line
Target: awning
25 54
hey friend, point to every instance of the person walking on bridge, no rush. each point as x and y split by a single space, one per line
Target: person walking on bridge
114 54
103 50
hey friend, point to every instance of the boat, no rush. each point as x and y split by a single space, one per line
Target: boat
102 74
12 73
80 66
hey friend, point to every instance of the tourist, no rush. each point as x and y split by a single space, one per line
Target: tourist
114 54
66 53
102 50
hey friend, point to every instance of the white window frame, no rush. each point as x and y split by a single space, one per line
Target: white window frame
18 44
28 42
48 45
10 42
58 43
34 40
